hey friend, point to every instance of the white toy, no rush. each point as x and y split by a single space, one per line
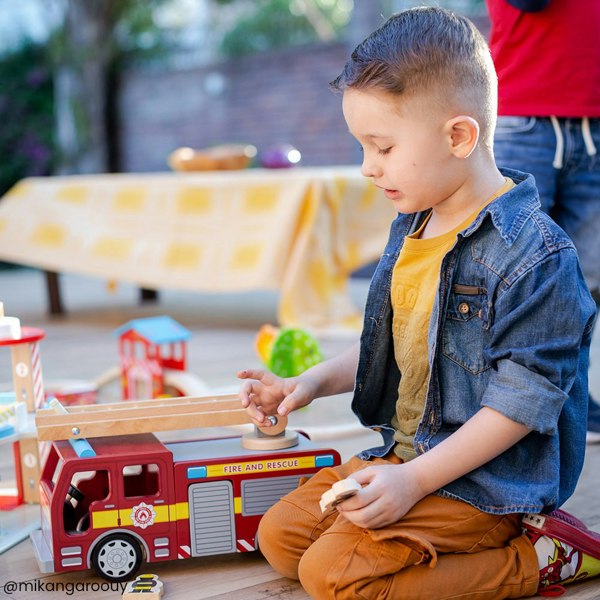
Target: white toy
340 491
10 327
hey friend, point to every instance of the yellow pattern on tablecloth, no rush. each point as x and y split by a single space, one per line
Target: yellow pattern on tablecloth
300 231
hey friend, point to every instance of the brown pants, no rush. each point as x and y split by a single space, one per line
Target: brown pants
441 549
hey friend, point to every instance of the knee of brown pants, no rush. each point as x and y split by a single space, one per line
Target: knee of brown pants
346 562
271 542
286 531
289 527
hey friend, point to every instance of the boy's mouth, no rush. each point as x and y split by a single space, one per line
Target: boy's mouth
391 194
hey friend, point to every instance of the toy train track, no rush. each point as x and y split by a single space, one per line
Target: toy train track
144 416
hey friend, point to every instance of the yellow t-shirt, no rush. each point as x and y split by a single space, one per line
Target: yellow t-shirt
414 286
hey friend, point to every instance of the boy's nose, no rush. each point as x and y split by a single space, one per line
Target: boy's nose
369 168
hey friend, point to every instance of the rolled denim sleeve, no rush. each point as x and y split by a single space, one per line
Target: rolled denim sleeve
525 397
543 315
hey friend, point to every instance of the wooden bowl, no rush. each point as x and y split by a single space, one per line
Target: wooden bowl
225 157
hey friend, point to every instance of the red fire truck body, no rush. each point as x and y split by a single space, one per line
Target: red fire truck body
142 499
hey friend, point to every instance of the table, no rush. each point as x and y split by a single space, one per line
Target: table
301 231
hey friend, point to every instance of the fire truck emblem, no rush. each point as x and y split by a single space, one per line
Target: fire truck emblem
143 515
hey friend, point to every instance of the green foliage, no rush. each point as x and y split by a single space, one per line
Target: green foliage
26 105
270 24
137 38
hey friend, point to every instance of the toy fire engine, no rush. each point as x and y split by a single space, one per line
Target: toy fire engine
115 501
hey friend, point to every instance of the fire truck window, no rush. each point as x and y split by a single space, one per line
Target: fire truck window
56 471
85 488
140 480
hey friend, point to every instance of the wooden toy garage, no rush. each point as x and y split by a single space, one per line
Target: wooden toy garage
16 426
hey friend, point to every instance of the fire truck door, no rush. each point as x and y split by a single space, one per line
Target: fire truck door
212 522
144 502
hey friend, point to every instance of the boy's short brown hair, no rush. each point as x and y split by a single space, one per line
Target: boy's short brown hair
432 51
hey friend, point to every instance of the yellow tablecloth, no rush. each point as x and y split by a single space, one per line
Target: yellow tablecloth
300 231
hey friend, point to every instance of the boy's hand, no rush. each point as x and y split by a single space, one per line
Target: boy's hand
263 393
389 492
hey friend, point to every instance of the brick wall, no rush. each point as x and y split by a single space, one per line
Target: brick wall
263 99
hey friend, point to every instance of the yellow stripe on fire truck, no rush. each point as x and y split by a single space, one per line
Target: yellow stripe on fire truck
144 515
101 519
141 515
179 511
255 466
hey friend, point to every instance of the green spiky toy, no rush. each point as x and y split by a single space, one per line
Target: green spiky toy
289 351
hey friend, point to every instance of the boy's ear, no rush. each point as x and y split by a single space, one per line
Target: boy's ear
463 133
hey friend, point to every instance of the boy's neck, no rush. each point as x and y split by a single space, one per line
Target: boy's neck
478 186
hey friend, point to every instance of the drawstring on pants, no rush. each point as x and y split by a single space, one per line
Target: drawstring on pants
557 163
586 134
587 137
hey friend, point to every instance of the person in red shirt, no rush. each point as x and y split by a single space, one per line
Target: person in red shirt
547 57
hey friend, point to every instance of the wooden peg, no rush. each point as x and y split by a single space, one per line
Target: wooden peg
339 491
147 587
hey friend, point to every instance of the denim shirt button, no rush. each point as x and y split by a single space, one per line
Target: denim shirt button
463 308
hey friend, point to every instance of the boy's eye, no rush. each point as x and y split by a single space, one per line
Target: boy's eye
384 151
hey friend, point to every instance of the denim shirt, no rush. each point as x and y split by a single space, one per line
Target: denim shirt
510 329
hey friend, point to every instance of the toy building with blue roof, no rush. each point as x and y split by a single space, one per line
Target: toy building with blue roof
147 348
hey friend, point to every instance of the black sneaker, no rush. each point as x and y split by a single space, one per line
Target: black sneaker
593 425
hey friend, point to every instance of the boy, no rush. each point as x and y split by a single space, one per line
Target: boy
473 357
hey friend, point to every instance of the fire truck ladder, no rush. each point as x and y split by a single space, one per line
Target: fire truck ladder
168 414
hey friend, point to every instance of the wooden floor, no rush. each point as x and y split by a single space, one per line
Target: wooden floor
80 346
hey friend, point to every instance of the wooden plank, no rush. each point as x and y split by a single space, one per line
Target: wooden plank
197 401
124 418
278 589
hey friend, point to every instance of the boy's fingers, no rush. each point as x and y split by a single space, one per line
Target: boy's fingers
259 374
363 476
255 412
289 403
246 390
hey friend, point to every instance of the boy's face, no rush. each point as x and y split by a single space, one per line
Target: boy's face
406 147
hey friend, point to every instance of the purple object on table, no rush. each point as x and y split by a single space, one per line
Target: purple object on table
282 156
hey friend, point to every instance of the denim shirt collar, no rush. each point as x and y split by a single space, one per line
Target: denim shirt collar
510 212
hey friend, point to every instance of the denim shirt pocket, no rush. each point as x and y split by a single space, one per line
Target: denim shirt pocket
466 327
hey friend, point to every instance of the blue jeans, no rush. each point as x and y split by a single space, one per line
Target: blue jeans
568 179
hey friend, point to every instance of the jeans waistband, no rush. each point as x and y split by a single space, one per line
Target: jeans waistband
586 134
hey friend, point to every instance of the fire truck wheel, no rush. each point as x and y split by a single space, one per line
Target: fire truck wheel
117 557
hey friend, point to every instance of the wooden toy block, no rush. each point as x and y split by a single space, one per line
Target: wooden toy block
339 491
257 440
147 586
30 469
